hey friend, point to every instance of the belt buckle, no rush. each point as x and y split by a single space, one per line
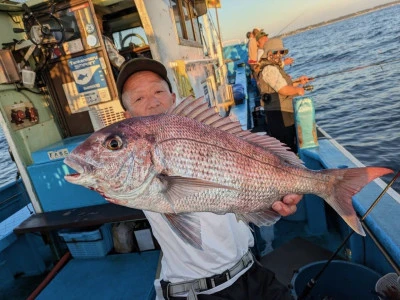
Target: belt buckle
247 259
165 288
219 279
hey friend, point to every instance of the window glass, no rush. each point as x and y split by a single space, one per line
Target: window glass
177 17
196 29
187 24
188 20
135 37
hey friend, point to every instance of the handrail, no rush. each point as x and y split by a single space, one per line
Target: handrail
10 198
388 257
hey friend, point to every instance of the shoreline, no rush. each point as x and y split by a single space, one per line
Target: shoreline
325 23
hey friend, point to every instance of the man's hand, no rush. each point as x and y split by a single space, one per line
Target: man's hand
287 206
288 61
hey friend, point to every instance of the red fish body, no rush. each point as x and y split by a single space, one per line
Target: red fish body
192 160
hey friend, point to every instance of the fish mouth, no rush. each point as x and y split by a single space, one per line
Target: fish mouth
73 164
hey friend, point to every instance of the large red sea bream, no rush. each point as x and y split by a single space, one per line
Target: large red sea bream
192 160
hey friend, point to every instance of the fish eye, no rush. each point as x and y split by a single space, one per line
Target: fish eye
113 142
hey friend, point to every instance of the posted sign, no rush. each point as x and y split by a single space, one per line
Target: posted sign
89 86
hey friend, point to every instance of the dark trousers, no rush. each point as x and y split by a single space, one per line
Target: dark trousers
277 129
258 283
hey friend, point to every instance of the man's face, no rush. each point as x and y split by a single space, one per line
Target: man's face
145 94
275 56
262 41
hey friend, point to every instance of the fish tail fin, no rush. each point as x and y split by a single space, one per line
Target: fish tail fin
347 183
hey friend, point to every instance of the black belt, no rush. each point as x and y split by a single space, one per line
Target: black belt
199 285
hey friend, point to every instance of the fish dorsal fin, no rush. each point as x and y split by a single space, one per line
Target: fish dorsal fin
197 109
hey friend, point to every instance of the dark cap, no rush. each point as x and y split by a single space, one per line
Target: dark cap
260 35
137 65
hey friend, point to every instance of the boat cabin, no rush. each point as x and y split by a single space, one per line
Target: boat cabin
59 82
58 68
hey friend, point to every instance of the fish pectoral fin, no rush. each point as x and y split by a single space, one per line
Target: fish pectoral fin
187 227
260 218
177 187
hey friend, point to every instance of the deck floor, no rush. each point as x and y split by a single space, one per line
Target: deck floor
93 278
20 288
291 256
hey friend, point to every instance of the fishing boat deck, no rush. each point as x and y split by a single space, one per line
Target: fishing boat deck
131 276
299 241
121 276
294 254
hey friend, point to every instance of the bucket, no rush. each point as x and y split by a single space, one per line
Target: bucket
340 280
28 78
389 280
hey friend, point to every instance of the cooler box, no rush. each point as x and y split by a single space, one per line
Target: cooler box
47 174
89 244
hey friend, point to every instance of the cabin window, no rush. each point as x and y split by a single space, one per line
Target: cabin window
186 21
130 38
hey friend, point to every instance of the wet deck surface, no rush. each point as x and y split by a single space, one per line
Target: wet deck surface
289 257
20 288
123 276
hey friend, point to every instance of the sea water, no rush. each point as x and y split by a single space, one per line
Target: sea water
8 168
359 108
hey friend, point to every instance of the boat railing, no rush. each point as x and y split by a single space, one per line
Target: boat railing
13 197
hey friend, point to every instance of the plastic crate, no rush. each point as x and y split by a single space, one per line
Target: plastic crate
89 244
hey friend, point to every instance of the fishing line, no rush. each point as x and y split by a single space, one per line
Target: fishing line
310 88
379 63
291 22
310 285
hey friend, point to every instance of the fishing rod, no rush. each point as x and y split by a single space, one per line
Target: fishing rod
291 22
310 285
379 63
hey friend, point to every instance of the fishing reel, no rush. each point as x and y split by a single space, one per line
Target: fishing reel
308 88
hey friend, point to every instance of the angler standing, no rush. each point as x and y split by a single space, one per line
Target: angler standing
277 91
225 268
252 49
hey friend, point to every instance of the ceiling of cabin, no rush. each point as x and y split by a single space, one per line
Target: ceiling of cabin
106 2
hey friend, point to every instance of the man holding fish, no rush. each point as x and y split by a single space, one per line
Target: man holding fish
200 179
145 90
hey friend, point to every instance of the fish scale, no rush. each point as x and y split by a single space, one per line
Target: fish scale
176 165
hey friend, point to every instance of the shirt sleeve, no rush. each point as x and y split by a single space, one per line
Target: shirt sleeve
273 77
253 50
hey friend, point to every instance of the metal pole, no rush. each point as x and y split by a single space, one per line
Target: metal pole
219 29
310 285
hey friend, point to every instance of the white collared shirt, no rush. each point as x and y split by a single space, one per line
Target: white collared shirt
224 242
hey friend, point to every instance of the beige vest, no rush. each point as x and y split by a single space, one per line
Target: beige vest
273 101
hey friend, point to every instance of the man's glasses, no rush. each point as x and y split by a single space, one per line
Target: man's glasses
281 52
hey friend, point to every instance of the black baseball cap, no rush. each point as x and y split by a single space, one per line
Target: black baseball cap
136 65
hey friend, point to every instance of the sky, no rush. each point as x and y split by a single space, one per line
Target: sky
236 17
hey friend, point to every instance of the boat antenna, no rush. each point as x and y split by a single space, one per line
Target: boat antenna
310 285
